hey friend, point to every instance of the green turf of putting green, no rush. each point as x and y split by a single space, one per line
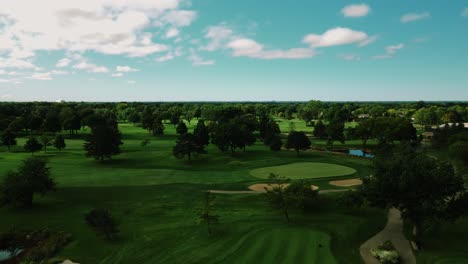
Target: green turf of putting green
283 246
304 170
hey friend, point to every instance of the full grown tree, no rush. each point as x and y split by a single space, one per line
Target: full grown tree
364 131
8 139
187 146
320 130
205 213
32 145
181 128
32 177
52 122
335 132
298 141
46 140
423 188
277 195
301 195
105 138
59 142
201 133
157 127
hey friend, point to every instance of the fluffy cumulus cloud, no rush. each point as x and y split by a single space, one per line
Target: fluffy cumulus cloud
90 67
358 10
411 17
389 51
223 37
250 48
63 63
103 26
119 74
338 36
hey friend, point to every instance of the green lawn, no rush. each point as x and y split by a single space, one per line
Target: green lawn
154 198
304 170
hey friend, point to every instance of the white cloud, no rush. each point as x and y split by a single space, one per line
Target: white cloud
44 76
55 72
170 55
465 12
218 37
358 10
63 63
250 48
197 60
89 67
411 17
16 63
389 51
2 71
103 26
338 36
131 82
349 57
180 18
117 74
394 48
172 32
125 69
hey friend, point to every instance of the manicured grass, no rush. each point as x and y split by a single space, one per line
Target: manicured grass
304 170
154 198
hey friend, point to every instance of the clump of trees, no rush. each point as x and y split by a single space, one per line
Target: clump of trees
32 145
32 177
187 145
423 188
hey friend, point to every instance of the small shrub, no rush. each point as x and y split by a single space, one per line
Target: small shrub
103 222
386 253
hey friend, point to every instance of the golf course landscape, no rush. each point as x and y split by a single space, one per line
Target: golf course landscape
155 196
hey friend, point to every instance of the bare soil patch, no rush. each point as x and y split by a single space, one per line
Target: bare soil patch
260 187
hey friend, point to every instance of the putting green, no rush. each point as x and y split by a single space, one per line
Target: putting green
304 170
282 246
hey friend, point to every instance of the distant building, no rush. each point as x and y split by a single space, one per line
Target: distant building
465 125
363 116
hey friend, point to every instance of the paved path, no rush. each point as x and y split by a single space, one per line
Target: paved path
393 231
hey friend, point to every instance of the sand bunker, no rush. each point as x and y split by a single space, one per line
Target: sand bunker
346 183
260 187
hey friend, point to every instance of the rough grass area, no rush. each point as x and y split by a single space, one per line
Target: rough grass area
304 170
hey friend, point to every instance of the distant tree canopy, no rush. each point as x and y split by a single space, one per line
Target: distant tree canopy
105 138
8 139
32 145
32 177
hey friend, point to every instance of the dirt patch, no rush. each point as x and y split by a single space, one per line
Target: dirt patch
346 183
260 187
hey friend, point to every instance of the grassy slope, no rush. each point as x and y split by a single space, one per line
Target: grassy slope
154 197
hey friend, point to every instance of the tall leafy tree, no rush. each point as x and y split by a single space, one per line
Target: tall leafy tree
52 122
298 141
8 139
32 177
46 140
105 138
181 128
277 195
423 188
32 145
335 132
320 130
157 127
59 142
201 133
187 146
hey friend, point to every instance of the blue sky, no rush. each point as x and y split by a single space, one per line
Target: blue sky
243 50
